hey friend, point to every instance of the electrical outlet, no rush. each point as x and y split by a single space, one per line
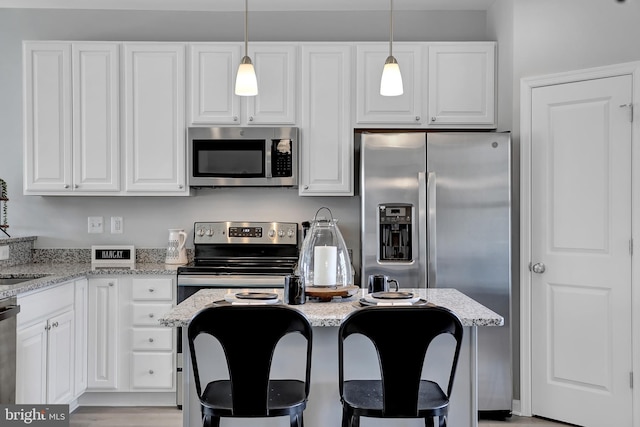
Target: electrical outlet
4 252
117 225
96 224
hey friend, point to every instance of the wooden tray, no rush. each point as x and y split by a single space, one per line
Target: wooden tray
327 293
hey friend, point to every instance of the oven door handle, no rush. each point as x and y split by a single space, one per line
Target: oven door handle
231 281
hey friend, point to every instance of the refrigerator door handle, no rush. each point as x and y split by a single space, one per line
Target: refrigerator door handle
423 255
431 230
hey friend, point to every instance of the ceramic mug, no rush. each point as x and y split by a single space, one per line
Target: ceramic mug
380 283
294 290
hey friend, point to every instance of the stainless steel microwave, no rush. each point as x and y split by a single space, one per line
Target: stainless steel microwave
242 156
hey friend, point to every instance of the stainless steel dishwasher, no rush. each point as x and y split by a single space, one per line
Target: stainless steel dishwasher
8 311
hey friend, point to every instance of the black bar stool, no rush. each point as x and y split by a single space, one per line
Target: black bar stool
248 335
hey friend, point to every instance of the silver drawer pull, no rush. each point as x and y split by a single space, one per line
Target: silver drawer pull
151 315
150 289
151 371
150 339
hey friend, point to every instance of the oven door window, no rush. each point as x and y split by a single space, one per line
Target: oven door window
229 158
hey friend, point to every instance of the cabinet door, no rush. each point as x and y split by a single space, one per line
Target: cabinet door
60 358
96 127
213 70
81 345
103 334
277 77
371 107
47 117
31 364
326 135
154 127
462 84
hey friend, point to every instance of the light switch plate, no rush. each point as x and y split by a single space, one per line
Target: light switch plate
4 252
96 224
117 225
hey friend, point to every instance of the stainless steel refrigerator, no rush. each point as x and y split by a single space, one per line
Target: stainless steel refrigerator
436 212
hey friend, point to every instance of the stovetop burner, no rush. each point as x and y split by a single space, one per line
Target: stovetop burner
265 248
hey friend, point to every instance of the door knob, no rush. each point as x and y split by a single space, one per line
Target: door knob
538 268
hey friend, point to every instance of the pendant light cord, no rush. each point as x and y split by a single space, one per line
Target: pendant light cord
391 28
246 27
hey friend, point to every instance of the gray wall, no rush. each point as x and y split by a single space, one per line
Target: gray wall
61 222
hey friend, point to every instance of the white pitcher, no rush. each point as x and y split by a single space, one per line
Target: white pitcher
176 252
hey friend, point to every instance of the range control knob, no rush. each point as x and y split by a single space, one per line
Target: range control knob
209 232
201 232
290 233
272 233
281 233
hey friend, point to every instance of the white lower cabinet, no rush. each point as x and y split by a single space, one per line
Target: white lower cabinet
46 346
129 351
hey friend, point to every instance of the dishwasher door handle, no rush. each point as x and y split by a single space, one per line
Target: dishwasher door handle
9 312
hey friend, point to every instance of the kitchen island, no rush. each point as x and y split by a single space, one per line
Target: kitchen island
324 407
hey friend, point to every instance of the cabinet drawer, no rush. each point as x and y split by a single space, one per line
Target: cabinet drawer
151 339
157 289
152 370
148 314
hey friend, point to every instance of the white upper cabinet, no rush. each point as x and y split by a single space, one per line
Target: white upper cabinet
96 127
326 149
462 84
154 119
277 77
212 74
71 118
212 71
371 107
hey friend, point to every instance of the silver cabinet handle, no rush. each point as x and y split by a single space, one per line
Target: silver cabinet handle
151 315
66 186
433 119
151 289
235 118
110 283
150 339
76 186
417 118
151 371
538 268
250 118
55 324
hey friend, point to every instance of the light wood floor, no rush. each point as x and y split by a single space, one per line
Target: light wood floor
92 416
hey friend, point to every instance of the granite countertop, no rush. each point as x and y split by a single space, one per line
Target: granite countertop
43 275
331 313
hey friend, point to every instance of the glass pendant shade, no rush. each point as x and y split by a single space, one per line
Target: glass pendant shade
391 82
246 80
324 259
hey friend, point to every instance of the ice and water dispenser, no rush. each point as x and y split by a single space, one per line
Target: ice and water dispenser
395 224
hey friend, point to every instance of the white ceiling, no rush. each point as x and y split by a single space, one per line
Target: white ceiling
255 5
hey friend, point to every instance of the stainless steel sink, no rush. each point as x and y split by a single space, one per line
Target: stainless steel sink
15 280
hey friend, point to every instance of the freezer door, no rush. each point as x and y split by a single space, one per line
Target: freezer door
473 242
392 167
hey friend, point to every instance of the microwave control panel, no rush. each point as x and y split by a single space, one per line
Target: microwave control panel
281 158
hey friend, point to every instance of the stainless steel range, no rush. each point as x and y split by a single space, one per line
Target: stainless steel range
236 256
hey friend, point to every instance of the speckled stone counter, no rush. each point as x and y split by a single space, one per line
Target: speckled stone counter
331 313
48 274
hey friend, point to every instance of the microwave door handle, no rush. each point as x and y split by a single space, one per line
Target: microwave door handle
267 159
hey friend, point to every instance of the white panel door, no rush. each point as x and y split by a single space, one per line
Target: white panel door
581 230
31 364
96 127
326 149
154 118
47 117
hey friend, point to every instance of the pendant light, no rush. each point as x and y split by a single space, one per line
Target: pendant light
391 82
246 80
